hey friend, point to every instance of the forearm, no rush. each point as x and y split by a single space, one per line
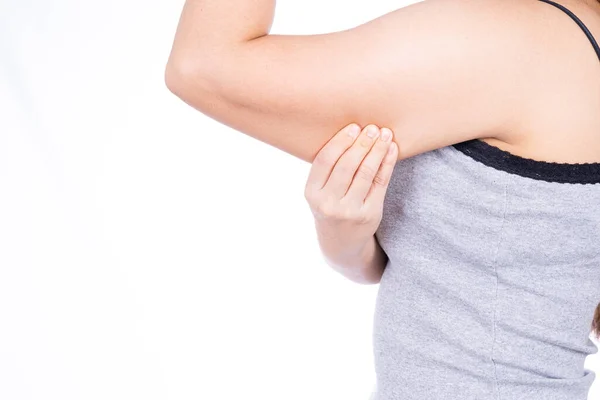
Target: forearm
208 28
363 266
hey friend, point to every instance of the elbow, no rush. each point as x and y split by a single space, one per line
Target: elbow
187 78
173 77
179 75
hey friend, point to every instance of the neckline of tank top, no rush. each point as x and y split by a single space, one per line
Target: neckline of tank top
492 156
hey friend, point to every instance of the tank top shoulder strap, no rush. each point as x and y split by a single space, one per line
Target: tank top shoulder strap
579 22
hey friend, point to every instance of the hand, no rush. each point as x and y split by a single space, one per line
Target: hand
346 187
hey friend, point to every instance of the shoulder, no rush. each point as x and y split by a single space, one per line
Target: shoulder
454 69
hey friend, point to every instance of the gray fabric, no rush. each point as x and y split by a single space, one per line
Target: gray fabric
491 284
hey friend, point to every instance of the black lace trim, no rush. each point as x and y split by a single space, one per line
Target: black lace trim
492 156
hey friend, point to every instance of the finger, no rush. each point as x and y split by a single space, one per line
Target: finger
376 195
369 168
328 156
341 177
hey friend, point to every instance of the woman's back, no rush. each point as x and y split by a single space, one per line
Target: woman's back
492 280
494 264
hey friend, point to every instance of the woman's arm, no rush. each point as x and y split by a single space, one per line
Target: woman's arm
366 267
436 72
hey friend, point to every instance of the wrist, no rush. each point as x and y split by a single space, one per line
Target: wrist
374 262
342 252
362 264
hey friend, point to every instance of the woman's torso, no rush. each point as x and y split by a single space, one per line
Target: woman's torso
494 258
492 280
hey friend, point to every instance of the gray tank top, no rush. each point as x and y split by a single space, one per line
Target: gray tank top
493 276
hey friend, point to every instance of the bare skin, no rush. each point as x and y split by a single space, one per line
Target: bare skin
562 122
517 74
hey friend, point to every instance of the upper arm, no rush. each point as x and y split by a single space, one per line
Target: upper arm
436 72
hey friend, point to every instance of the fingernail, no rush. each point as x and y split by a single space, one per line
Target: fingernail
386 134
372 131
353 131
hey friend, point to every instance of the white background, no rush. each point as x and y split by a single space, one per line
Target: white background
146 251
